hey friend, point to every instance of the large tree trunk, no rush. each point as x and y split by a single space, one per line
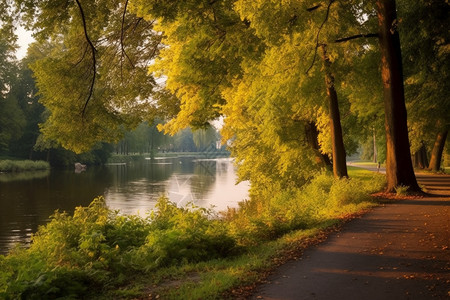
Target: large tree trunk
337 141
312 133
399 169
438 148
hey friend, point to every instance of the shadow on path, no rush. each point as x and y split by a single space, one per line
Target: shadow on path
399 250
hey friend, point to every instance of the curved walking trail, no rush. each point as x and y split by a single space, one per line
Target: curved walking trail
399 250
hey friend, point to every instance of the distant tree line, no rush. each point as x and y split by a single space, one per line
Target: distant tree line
148 139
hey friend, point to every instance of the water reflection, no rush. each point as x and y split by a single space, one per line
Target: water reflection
9 177
27 201
205 183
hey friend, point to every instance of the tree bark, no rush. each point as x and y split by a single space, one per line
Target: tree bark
438 148
337 141
311 136
399 169
420 158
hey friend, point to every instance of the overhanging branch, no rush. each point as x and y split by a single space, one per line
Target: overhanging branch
94 58
357 36
318 34
122 33
314 7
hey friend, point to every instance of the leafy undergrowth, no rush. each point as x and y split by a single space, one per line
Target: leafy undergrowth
178 253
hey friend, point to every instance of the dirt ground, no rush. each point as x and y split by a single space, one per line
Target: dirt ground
400 250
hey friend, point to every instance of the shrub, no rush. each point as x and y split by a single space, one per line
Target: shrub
278 211
180 235
401 190
98 247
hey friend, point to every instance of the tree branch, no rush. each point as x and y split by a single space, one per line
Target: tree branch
314 7
369 35
124 53
82 57
318 33
94 59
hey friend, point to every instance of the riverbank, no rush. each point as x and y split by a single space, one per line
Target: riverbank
179 253
7 166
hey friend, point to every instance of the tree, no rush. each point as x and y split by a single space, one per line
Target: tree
399 170
26 92
12 119
184 141
205 139
424 37
438 148
94 77
337 140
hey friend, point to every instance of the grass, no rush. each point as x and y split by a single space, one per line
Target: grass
232 278
23 165
180 253
360 173
401 190
363 163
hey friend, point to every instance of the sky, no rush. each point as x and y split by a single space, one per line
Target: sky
25 38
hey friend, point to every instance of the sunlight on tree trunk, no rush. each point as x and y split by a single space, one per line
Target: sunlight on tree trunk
339 162
399 169
312 133
438 148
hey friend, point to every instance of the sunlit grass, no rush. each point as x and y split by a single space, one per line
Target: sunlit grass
363 163
363 174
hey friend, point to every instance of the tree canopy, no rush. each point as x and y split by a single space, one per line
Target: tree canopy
266 67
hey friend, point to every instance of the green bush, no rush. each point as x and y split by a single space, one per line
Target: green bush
277 211
98 247
181 235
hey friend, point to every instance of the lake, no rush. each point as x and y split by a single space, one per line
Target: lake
28 199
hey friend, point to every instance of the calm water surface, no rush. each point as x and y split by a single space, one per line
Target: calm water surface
28 199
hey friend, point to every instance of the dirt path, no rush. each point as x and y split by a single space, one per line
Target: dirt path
399 250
